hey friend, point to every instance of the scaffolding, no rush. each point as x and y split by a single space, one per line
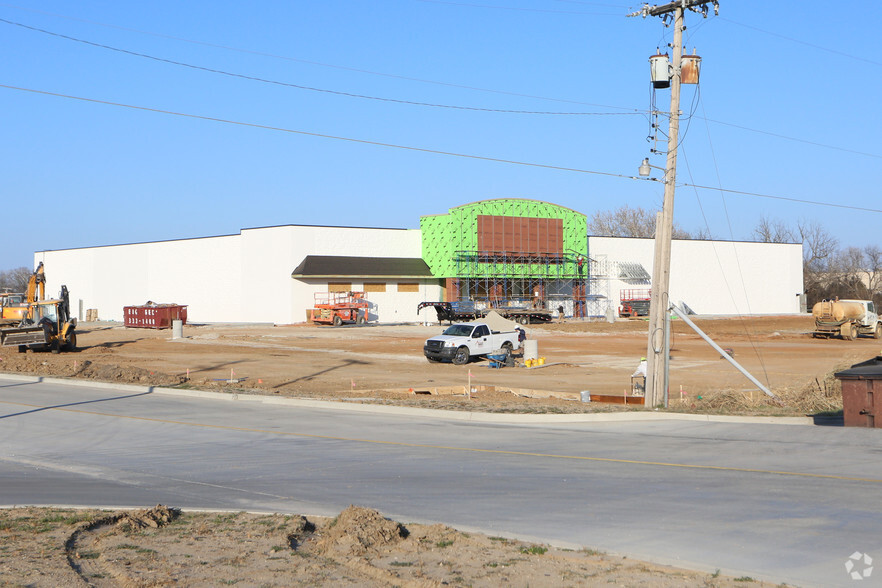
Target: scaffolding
497 279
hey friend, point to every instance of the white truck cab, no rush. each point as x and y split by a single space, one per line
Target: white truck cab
462 341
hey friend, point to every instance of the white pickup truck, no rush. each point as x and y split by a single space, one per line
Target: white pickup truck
462 341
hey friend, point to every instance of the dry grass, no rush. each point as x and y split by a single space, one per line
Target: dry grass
817 397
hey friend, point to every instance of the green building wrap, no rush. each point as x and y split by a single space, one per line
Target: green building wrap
510 251
448 238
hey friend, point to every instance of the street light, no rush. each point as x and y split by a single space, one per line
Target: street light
645 168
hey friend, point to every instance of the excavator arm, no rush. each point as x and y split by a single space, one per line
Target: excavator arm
35 283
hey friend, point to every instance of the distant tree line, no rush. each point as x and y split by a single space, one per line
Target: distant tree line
633 222
828 270
15 280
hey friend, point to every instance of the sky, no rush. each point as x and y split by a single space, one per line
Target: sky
128 122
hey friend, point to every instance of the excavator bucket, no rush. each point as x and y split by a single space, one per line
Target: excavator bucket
35 335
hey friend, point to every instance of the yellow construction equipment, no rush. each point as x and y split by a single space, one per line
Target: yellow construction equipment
14 307
47 325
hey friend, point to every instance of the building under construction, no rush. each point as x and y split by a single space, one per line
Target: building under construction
516 253
504 253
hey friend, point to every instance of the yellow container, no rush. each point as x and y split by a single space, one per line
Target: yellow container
528 363
541 361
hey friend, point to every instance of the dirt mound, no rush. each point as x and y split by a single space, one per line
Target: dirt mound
74 366
359 530
154 517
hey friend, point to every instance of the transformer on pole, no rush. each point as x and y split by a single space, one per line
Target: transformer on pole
656 353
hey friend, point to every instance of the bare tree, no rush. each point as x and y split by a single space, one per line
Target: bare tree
628 222
773 231
15 280
826 270
873 269
844 274
819 246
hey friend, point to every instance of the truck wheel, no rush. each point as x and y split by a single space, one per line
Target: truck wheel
462 356
360 320
337 320
524 320
848 332
507 348
877 334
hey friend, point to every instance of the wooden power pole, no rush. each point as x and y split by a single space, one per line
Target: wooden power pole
656 352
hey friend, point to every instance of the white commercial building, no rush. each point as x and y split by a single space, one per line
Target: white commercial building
248 277
273 274
710 277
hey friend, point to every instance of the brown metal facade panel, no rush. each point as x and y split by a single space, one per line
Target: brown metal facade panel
511 234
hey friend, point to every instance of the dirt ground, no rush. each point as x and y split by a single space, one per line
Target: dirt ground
385 364
163 546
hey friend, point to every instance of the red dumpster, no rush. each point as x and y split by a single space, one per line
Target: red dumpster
862 393
154 316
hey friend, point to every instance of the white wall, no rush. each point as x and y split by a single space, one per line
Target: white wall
717 277
234 278
247 277
201 273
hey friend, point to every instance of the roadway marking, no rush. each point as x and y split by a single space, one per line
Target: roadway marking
452 448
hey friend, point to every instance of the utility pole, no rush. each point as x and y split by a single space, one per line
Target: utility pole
656 351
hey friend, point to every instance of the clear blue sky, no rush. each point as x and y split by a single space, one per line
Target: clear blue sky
788 106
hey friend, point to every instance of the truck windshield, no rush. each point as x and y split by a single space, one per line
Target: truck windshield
458 330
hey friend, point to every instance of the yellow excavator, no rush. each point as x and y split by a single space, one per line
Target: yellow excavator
14 307
44 324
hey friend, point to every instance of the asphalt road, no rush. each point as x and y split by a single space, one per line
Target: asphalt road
776 502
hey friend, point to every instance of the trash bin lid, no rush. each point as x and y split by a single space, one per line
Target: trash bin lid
870 369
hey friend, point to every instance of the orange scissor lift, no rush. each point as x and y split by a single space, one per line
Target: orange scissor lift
336 308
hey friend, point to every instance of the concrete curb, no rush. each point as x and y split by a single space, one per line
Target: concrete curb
451 415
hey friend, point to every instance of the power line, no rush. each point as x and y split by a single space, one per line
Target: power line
439 83
311 134
299 86
319 63
785 198
807 44
807 142
517 8
423 149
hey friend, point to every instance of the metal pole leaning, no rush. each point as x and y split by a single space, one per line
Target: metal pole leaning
683 315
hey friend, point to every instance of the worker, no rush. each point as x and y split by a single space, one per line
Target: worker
638 378
560 313
522 336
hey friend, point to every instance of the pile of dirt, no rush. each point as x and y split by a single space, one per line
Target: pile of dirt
66 366
155 517
359 530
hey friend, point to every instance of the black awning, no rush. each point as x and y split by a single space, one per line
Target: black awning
336 266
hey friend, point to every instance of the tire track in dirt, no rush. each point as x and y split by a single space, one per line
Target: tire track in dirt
83 546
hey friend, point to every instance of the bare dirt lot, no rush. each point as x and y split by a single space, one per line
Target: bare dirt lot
164 547
385 364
